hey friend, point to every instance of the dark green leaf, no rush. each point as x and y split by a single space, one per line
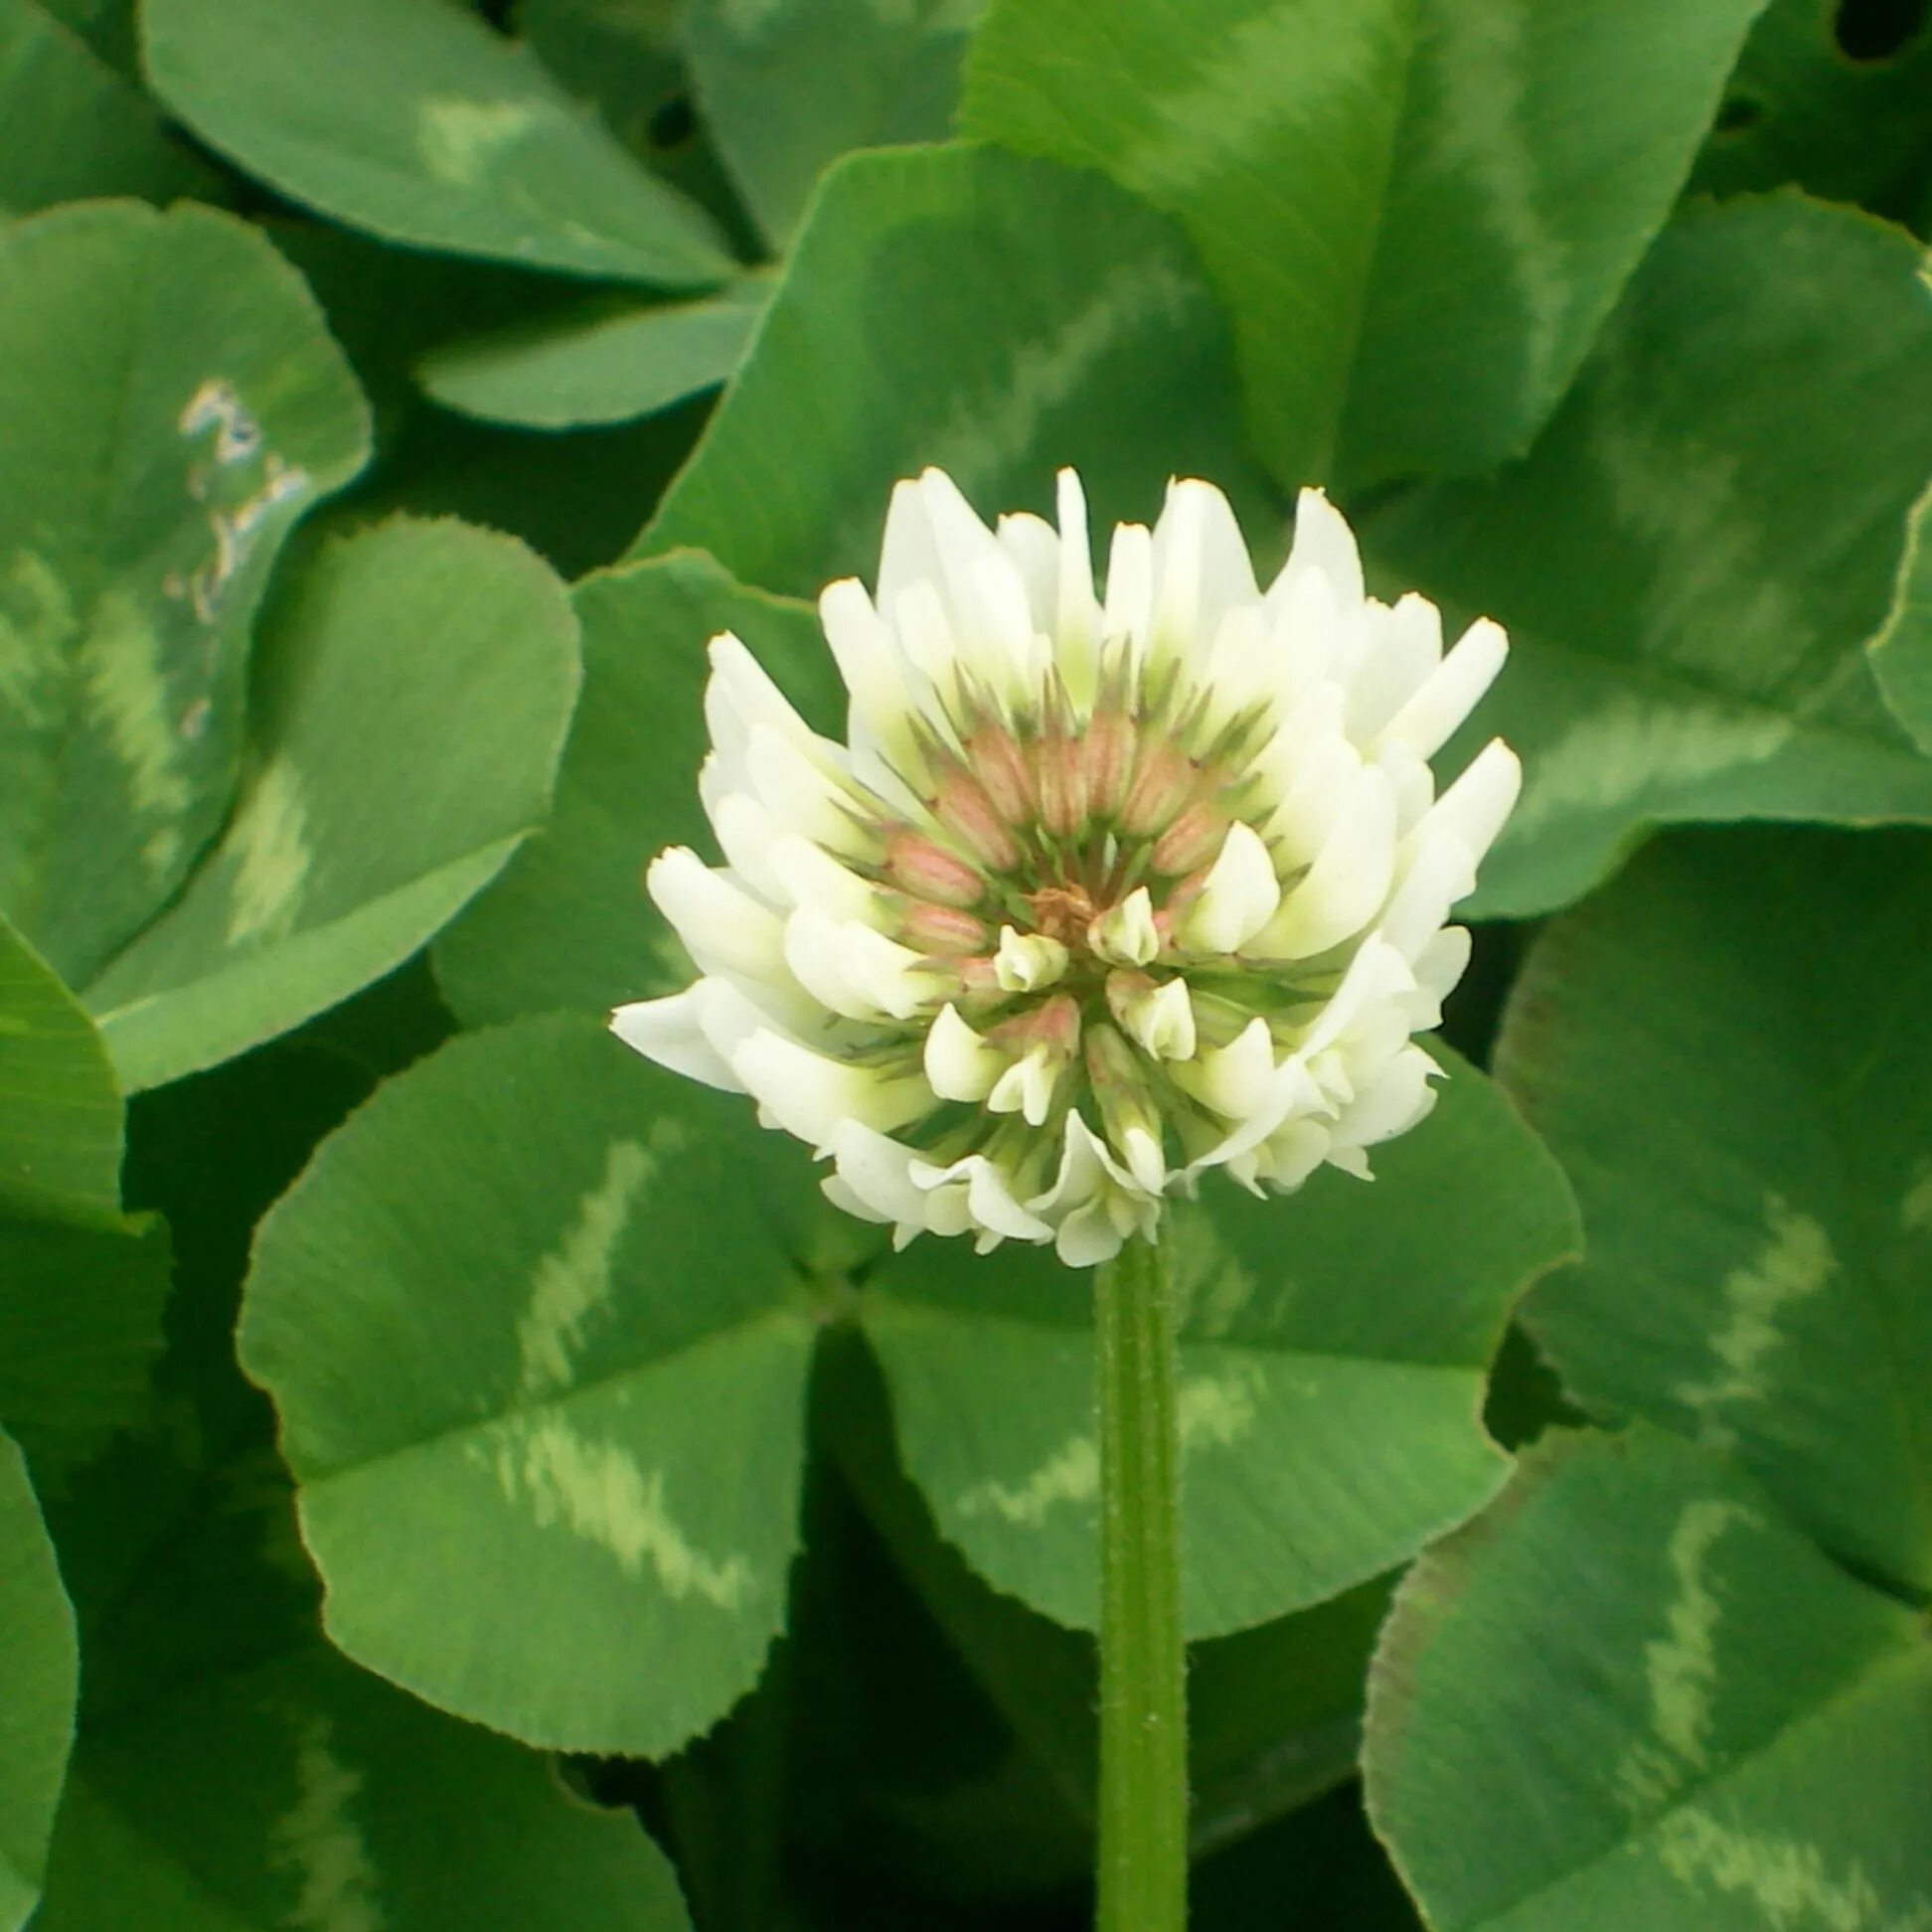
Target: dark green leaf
605 364
38 1669
1693 558
413 119
170 404
1418 211
1728 1051
70 126
1901 652
540 1352
385 787
789 86
1631 1696
568 923
959 307
1331 1368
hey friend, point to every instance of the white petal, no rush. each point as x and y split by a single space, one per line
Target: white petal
989 1196
810 1096
1126 933
1026 1086
808 874
723 928
1394 1102
668 1031
958 1062
1146 1161
1324 544
1450 692
1436 871
1088 1237
1237 1080
1200 566
1346 885
1440 965
745 831
1237 898
884 705
1034 545
853 969
1162 1021
740 695
1077 617
877 1172
800 793
1130 586
1027 962
1404 646
1306 626
1377 978
1476 805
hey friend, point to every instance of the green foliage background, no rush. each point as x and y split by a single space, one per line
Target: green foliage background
454 1476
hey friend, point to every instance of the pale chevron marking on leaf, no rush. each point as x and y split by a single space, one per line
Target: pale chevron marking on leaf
1071 1474
1694 503
1916 1210
319 1840
462 141
1681 1666
1232 96
1796 1263
271 844
1481 68
1629 742
1211 1287
1214 1410
573 1281
127 694
37 626
1787 1880
989 432
597 1492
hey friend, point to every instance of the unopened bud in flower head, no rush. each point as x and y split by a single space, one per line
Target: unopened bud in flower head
942 929
929 871
963 809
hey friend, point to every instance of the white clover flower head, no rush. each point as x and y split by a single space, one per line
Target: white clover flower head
1100 892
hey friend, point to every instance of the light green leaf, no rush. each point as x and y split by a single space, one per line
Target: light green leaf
170 403
539 1352
60 1112
72 127
604 363
416 121
1800 107
1687 601
1273 1712
1333 1356
959 307
789 86
1901 652
416 685
1631 1695
39 1670
233 1774
1419 212
568 923
1728 1052
80 1285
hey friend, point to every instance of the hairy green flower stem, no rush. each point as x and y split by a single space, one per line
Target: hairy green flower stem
1143 1810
